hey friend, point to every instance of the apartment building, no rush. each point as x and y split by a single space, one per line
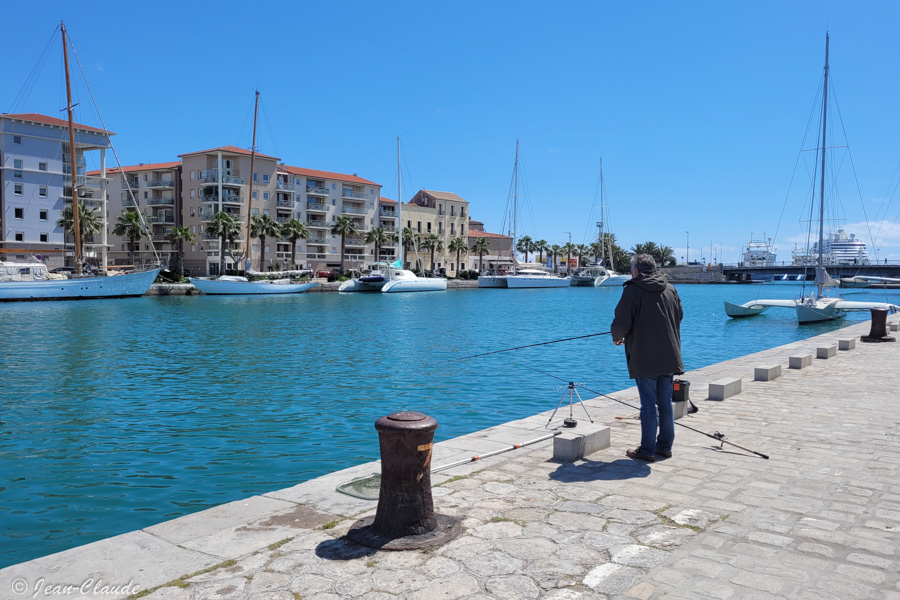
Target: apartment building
498 257
440 213
35 169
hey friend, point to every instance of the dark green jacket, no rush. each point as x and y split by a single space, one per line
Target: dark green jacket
648 317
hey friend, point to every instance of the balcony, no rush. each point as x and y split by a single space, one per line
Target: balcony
162 217
317 224
161 183
282 219
130 184
348 193
354 241
285 203
317 241
316 207
316 191
160 201
284 186
317 255
213 176
129 202
352 210
387 213
228 198
207 215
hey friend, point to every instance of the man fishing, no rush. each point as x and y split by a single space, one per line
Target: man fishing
648 322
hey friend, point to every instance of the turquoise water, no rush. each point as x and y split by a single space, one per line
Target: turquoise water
117 414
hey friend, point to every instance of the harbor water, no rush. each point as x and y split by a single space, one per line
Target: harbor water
118 414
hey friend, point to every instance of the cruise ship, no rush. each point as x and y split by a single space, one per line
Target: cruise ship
838 250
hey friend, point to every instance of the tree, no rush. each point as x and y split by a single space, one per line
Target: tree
88 223
540 246
458 245
481 246
525 245
293 230
569 248
343 226
432 243
222 226
177 236
131 226
262 227
581 250
555 252
665 257
410 239
378 236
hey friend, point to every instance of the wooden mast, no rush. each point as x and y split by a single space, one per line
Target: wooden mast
820 271
252 166
75 220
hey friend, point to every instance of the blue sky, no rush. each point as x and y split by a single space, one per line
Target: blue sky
699 109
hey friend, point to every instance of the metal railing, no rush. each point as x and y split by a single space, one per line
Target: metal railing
285 203
316 190
160 201
352 210
347 193
226 198
318 241
312 223
212 176
320 206
161 183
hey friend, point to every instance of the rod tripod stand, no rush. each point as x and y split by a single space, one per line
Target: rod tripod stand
571 392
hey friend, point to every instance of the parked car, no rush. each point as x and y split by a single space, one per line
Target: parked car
323 273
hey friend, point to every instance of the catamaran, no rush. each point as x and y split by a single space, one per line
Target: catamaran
816 308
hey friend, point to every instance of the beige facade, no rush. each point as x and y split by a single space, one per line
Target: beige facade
440 213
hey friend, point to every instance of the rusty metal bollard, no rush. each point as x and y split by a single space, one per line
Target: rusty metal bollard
405 517
878 331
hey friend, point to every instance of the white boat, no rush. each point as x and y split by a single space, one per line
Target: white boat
597 275
491 279
759 253
812 309
837 250
31 281
370 281
533 276
494 279
234 285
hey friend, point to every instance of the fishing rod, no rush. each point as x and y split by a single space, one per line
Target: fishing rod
579 337
719 437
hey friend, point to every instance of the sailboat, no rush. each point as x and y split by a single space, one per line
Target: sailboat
596 274
816 308
226 285
30 280
392 278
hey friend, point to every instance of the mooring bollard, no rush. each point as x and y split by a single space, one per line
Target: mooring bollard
878 331
405 517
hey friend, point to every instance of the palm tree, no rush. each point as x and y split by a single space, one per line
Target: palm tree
540 246
555 252
597 250
222 226
581 250
525 245
481 246
88 222
177 236
569 248
646 248
343 226
293 230
378 236
262 227
458 245
131 225
665 257
410 239
432 243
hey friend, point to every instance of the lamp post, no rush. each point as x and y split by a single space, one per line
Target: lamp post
688 252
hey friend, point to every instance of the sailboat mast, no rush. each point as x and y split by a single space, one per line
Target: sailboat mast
252 167
399 201
820 276
515 205
604 239
76 224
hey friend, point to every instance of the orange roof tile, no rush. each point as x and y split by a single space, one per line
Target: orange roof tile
137 168
37 118
383 199
229 150
326 175
488 235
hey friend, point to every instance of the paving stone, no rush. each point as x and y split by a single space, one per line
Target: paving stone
611 578
512 587
493 563
637 556
526 548
459 585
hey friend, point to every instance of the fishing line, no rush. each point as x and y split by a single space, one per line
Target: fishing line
579 337
719 437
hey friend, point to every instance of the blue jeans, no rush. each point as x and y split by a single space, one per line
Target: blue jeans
656 412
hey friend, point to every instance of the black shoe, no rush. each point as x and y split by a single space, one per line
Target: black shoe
638 456
664 454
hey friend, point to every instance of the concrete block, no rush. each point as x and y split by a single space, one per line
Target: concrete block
847 344
574 444
767 373
895 326
724 388
679 409
800 361
826 351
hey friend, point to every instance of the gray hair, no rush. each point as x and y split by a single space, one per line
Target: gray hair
644 263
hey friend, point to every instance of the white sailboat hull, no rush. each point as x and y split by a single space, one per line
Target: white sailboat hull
526 281
226 287
612 281
416 284
81 288
819 310
355 285
492 281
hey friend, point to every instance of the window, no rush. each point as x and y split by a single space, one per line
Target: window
332 186
17 164
145 195
42 191
462 230
266 212
193 246
256 177
17 139
42 166
17 189
43 215
419 226
265 195
452 211
146 177
265 178
20 213
192 178
255 211
452 229
255 194
256 247
192 229
192 193
440 209
429 226
45 237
